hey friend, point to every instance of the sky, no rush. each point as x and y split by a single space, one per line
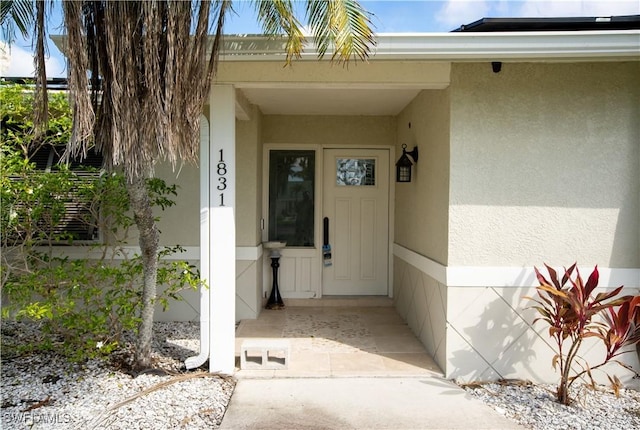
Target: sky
389 16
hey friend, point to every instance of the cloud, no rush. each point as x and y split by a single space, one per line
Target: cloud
457 12
18 62
544 8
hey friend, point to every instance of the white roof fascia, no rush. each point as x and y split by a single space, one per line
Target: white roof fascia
619 45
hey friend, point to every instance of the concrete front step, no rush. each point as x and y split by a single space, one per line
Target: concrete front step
341 301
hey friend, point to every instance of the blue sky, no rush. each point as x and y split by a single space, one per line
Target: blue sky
390 16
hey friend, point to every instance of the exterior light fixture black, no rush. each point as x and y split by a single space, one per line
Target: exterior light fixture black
403 166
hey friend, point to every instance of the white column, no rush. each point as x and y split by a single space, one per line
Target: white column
222 239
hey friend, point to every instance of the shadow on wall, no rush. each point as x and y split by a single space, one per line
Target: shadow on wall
497 343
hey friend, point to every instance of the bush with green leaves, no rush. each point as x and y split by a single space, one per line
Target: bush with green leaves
83 305
86 305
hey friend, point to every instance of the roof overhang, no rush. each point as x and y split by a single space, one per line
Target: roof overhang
619 45
427 55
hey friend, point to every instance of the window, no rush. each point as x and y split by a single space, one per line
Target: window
77 221
355 171
292 196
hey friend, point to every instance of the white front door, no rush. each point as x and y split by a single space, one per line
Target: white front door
356 203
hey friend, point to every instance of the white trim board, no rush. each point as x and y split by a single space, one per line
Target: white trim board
192 253
473 46
503 276
249 253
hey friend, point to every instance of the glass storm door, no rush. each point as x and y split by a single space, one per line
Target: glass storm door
356 202
291 197
293 218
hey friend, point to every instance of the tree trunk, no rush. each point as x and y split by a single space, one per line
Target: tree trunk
149 240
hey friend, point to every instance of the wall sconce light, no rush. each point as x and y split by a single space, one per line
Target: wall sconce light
403 166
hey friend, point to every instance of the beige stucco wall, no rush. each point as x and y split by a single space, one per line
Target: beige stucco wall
544 167
180 224
545 164
491 335
248 212
425 73
422 302
248 179
329 130
421 206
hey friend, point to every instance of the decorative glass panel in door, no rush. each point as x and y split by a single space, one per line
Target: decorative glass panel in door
291 196
355 171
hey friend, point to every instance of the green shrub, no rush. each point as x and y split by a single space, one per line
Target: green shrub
83 306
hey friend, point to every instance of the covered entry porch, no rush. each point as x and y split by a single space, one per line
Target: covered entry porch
335 337
465 234
329 117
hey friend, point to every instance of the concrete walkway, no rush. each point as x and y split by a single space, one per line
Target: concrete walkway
357 403
350 367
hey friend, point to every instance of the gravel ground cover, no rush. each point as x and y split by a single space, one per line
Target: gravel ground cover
44 391
534 406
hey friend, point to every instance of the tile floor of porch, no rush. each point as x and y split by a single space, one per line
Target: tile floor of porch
339 337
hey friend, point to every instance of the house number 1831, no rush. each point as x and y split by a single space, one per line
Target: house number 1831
221 170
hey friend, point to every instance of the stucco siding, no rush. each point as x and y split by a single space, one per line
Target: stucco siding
329 130
247 212
545 164
478 333
248 290
248 296
248 180
491 335
422 302
185 309
180 224
421 206
423 73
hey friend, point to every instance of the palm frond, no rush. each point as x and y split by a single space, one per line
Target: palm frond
83 113
16 15
156 62
342 26
277 18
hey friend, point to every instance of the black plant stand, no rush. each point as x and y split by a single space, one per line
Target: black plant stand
275 299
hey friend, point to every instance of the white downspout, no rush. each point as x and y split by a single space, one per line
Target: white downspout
205 217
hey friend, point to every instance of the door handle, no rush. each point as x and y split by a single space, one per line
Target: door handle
326 247
325 231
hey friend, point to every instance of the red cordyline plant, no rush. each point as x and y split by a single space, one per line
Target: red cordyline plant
568 306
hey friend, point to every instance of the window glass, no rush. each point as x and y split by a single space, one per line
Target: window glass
291 196
355 171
